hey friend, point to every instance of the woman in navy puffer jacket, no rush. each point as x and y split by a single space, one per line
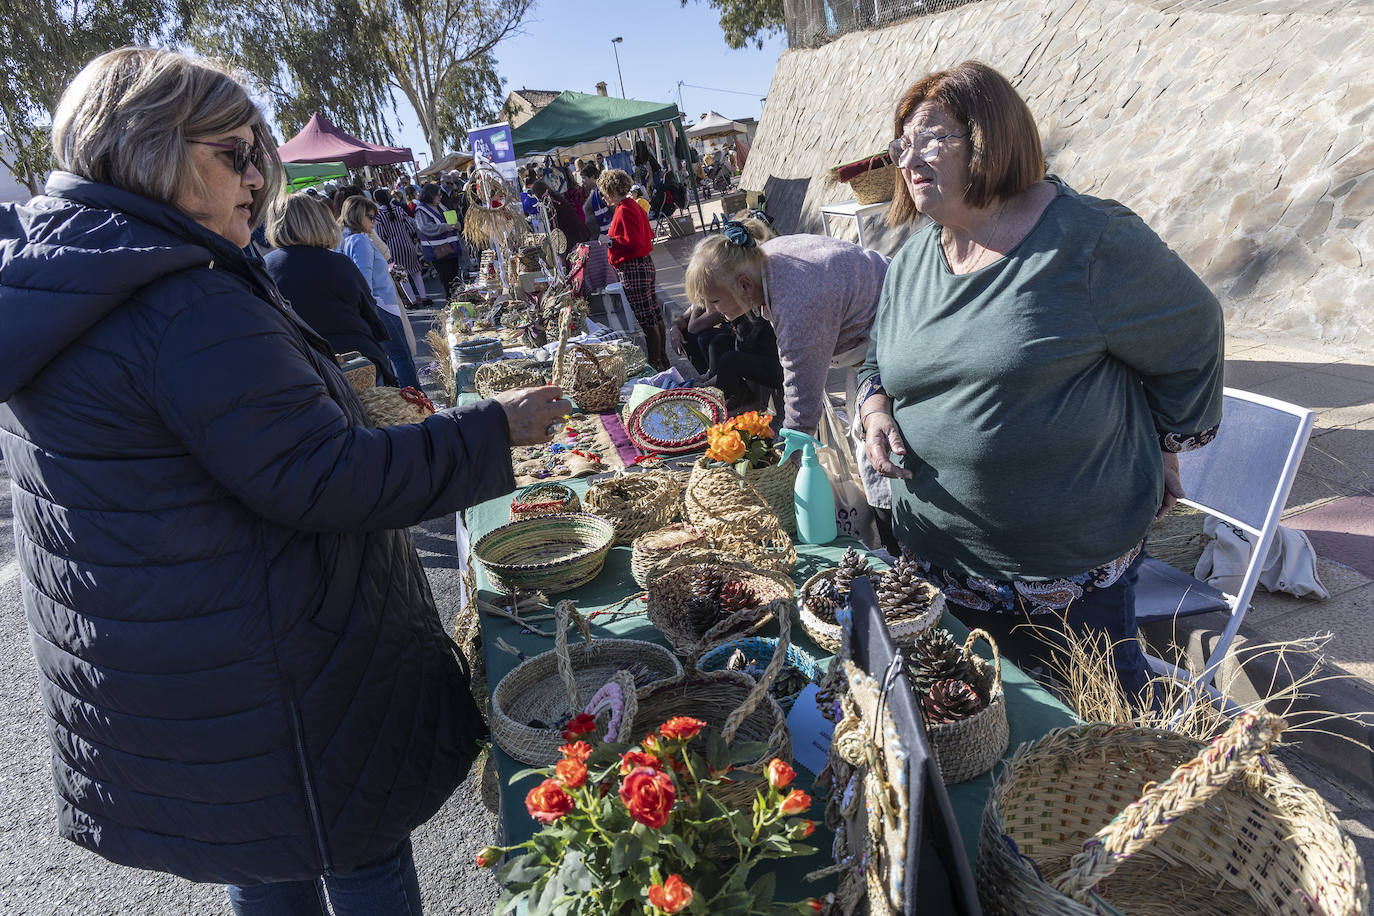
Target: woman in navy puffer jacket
245 675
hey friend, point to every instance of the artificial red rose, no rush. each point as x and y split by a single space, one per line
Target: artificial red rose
578 750
780 775
652 745
572 773
815 904
796 802
580 725
803 830
649 795
547 802
672 896
631 759
681 727
488 856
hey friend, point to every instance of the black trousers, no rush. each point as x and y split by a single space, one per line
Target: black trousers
447 269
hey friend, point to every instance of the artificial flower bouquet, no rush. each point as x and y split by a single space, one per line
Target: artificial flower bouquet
635 831
744 442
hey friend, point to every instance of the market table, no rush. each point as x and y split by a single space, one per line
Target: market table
1031 711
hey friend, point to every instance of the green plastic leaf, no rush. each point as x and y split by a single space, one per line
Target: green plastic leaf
541 772
764 889
626 851
742 752
683 851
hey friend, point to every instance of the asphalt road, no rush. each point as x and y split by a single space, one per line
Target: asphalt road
44 875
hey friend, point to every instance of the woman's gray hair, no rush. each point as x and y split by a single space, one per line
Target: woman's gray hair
300 219
126 118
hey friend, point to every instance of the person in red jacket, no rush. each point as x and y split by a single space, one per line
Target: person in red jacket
631 242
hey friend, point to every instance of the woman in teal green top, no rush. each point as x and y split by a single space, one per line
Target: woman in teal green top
1038 359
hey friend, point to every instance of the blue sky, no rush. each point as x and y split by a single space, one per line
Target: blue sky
567 45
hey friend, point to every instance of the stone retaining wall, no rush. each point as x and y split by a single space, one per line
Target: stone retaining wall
1243 136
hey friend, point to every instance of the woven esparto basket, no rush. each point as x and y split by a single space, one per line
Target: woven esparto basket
875 185
506 375
970 747
670 590
547 553
555 685
544 499
635 503
360 371
1211 830
759 649
709 488
396 406
903 630
592 382
664 547
732 702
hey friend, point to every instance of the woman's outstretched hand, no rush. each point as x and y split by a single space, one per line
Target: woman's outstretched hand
882 436
532 412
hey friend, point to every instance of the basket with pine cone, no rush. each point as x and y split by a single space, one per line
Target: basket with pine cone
902 592
910 605
852 565
699 605
935 656
949 700
961 700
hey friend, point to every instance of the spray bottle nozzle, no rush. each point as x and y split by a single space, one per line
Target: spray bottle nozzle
799 441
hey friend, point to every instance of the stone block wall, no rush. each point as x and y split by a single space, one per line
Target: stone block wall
1242 131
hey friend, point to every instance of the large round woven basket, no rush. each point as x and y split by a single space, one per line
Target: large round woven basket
710 488
396 406
970 747
734 704
1120 819
635 503
553 686
670 591
875 185
548 553
544 499
508 374
757 651
903 630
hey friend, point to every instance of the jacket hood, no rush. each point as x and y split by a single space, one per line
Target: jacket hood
77 252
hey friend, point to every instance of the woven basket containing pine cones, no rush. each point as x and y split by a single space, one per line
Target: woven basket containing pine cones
910 604
697 606
635 503
734 704
961 701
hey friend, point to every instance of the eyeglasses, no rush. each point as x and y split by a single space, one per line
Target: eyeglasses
244 153
926 145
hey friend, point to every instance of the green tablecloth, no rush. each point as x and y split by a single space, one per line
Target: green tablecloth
1031 711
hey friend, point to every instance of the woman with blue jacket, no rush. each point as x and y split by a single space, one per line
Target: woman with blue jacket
358 216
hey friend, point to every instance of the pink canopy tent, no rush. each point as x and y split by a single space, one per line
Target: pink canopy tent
321 141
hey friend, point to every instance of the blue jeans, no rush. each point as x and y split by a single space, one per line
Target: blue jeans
398 349
387 887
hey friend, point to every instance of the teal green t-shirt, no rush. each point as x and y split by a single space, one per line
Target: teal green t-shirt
1032 393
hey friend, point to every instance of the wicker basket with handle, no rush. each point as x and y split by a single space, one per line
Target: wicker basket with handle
875 185
970 747
592 382
670 593
635 503
711 488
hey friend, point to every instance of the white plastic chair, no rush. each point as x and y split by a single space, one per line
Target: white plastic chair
1243 478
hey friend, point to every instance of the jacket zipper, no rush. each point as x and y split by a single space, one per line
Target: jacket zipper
317 822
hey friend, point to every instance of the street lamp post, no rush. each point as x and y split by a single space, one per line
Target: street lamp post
615 41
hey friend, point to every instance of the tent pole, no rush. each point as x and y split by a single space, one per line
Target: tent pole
691 172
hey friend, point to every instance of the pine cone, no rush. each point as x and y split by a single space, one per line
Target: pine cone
703 606
737 661
902 591
851 565
937 657
736 596
949 701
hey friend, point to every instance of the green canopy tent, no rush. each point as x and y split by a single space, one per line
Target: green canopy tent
576 117
308 174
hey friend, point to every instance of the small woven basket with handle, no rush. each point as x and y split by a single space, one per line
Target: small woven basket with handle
875 185
1181 827
970 747
592 382
635 503
710 490
670 591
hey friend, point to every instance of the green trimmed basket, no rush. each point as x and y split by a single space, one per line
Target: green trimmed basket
548 553
758 650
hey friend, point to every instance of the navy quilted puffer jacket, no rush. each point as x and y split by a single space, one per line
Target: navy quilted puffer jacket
245 676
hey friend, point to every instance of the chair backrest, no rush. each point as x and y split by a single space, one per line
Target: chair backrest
1245 474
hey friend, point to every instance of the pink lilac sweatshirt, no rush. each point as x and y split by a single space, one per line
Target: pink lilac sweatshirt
822 298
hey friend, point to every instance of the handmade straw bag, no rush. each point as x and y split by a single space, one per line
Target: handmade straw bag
1203 830
903 630
635 503
670 591
396 406
544 499
711 488
970 747
547 553
875 185
360 371
591 381
731 702
740 527
661 548
506 375
554 686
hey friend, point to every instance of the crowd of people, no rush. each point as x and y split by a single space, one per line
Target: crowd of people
244 671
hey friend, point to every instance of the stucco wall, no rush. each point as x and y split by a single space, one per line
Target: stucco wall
1243 136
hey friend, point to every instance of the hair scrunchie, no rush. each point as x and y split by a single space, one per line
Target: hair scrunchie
736 234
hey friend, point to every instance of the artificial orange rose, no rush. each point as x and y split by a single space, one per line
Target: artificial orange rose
580 725
780 775
652 744
578 750
631 759
572 773
681 727
547 802
488 856
649 795
815 904
672 896
803 830
796 802
727 447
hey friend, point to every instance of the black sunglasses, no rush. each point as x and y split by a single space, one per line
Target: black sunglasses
244 153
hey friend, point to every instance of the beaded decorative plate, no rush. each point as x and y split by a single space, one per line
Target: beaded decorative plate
670 422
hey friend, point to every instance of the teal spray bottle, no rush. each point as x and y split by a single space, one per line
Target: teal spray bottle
815 500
